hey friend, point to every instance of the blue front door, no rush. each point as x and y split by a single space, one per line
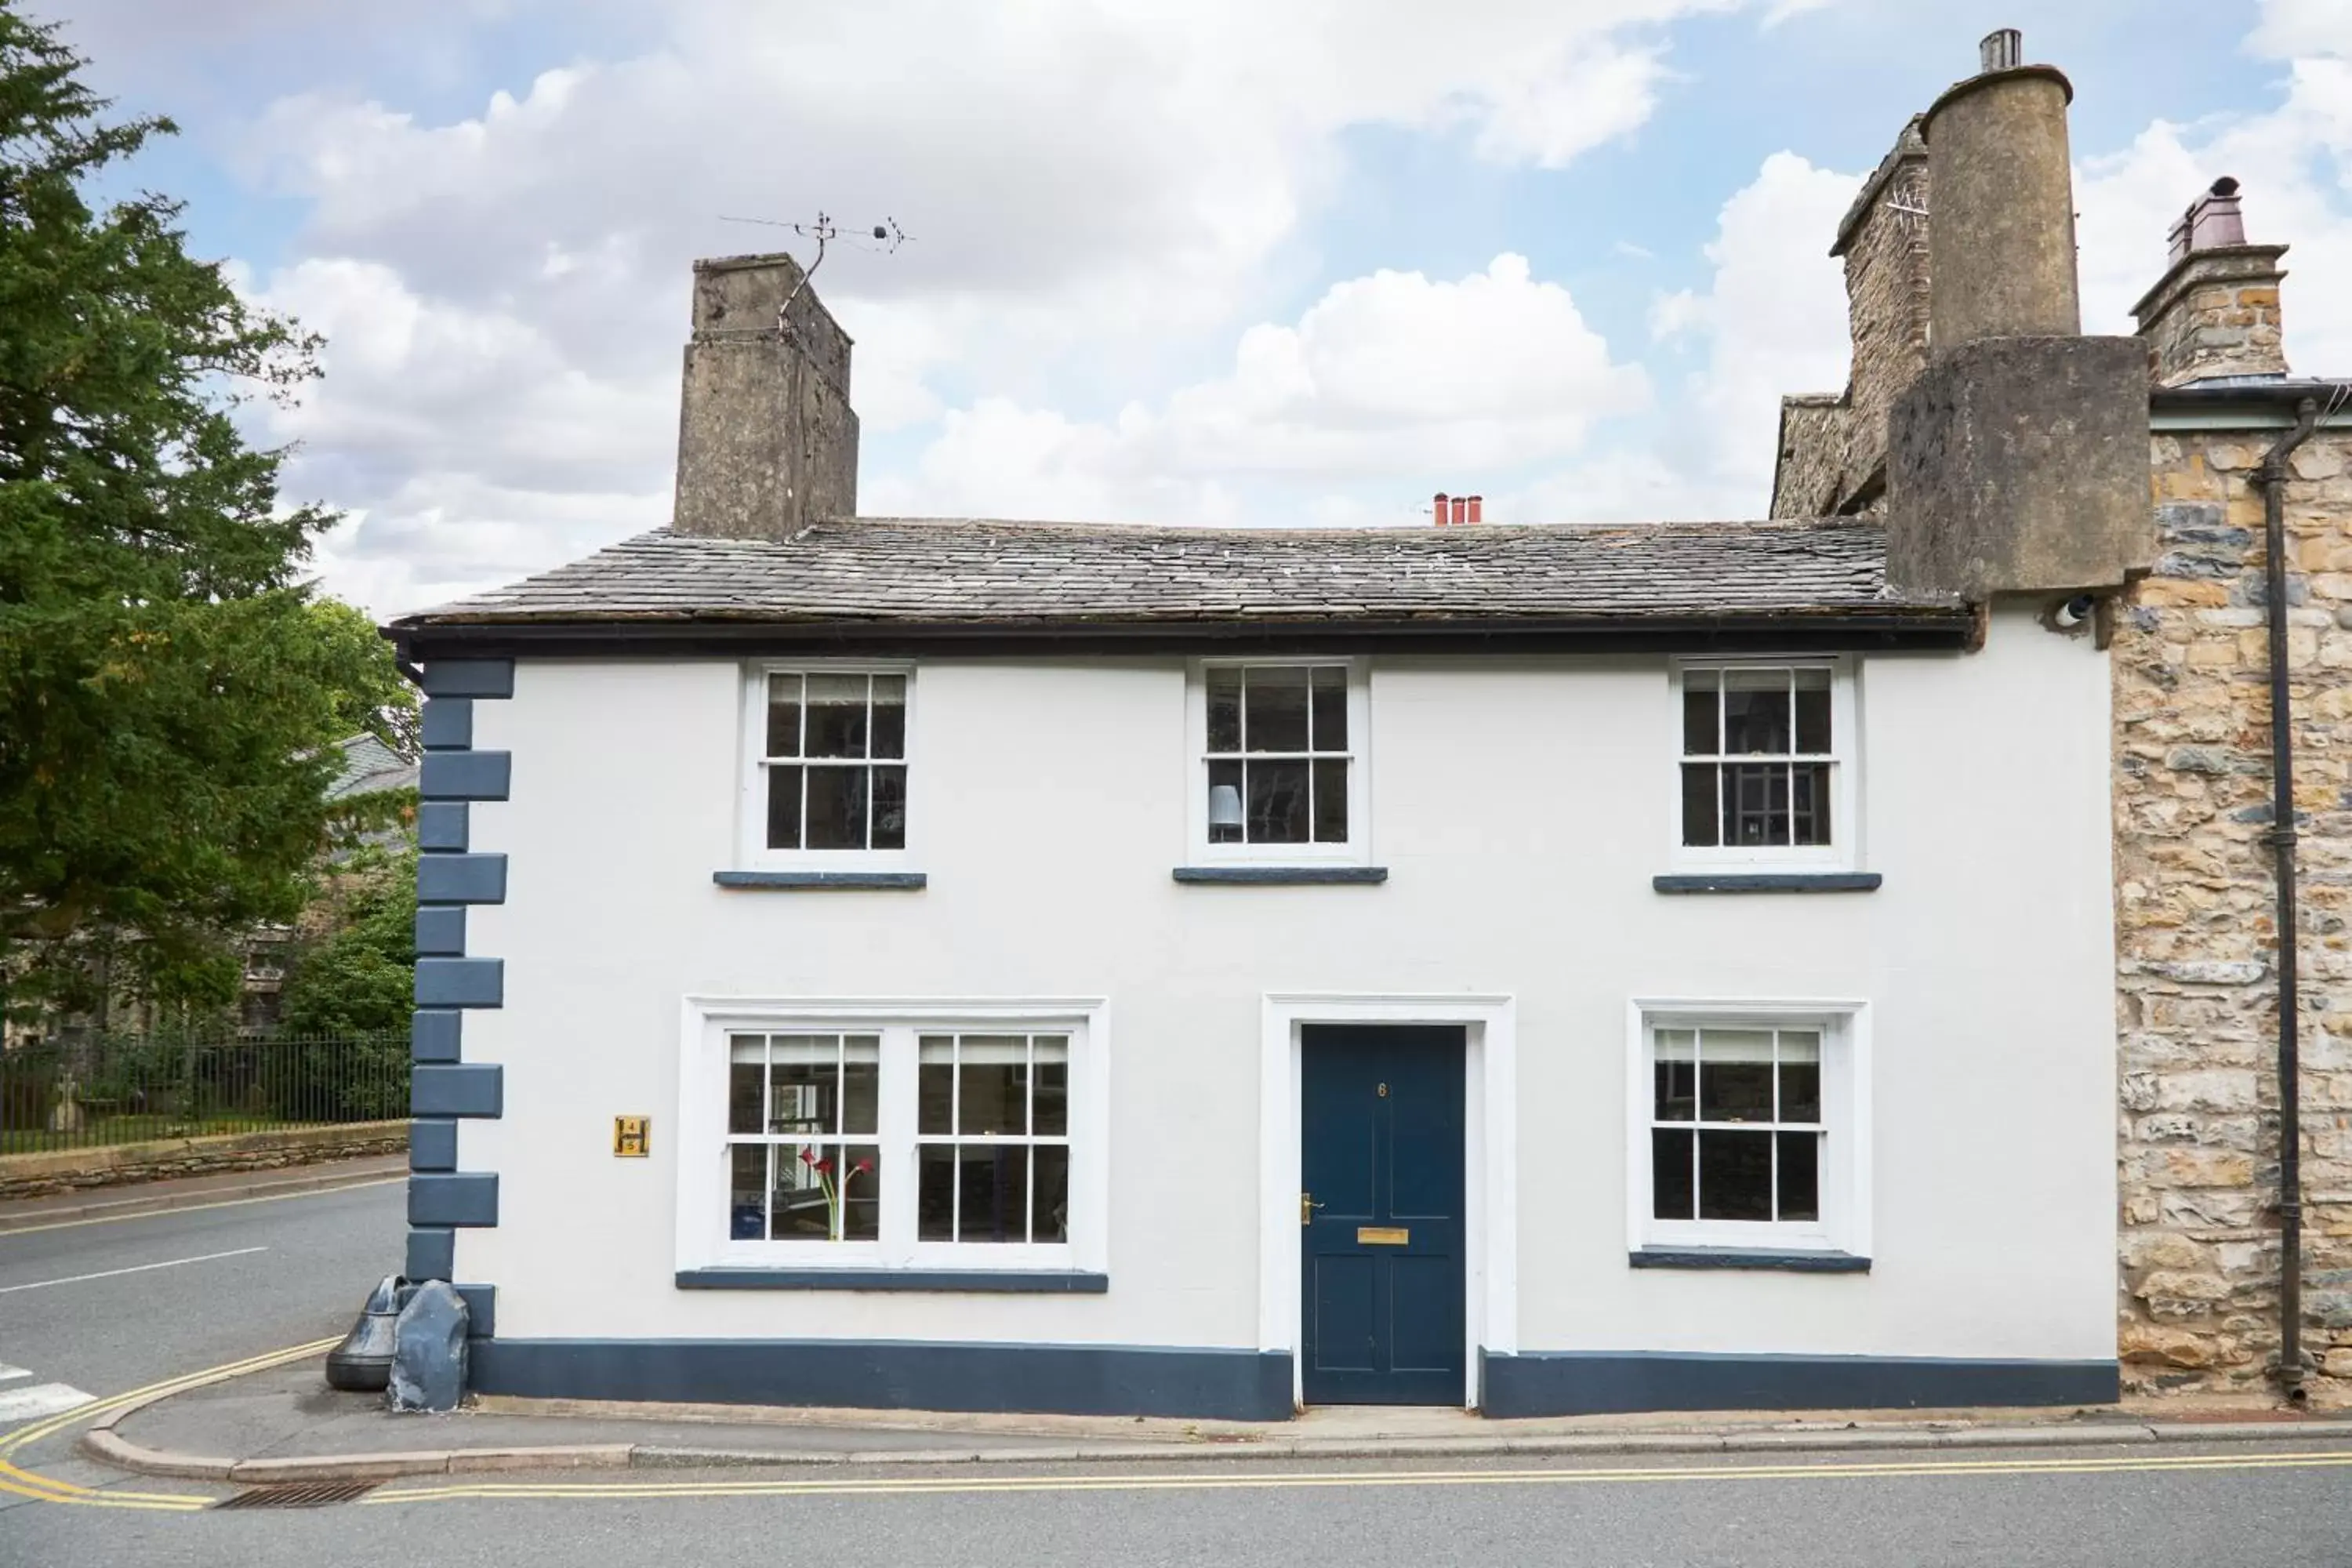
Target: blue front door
1380 1158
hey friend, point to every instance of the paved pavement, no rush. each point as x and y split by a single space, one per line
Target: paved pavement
2249 1508
111 1305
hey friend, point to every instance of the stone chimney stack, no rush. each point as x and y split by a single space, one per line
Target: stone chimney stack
767 443
2017 461
2215 312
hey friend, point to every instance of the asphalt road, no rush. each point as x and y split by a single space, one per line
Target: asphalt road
1827 1512
190 1289
237 1280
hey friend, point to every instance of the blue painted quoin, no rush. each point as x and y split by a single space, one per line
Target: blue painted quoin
444 1088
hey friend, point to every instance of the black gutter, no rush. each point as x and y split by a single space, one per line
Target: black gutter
2273 476
2206 396
1921 630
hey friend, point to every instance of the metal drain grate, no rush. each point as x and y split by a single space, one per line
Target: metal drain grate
310 1494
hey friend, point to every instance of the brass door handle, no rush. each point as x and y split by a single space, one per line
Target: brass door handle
1306 1207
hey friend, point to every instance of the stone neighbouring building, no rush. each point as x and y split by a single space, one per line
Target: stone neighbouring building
2197 1004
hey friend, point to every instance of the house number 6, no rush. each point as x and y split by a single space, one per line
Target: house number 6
1384 1092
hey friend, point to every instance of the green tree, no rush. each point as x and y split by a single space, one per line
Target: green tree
357 979
170 688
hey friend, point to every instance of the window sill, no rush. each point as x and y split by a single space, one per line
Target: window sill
1015 1281
1747 1258
1280 876
821 881
1768 882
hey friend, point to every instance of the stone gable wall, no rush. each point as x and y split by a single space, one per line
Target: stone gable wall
2195 942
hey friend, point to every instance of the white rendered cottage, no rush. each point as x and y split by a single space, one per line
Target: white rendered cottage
1196 971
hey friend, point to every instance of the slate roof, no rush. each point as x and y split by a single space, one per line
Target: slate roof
368 767
885 571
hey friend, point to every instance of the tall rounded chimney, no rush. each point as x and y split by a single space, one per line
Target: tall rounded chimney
2000 222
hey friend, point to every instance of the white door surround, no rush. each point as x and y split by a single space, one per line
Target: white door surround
1490 1156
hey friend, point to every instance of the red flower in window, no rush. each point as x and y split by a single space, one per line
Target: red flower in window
860 1168
808 1157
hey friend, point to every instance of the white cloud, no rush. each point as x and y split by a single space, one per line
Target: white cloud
1093 186
1772 320
1384 383
2293 161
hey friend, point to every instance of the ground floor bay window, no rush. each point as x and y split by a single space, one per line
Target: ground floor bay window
877 1139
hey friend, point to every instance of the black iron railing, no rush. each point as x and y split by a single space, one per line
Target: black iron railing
96 1089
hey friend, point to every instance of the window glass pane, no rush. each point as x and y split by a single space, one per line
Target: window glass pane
993 1085
746 1057
889 809
747 1191
1330 704
993 1183
1735 1075
1275 801
836 806
1050 1105
889 715
1225 709
1330 799
861 1084
857 1191
836 715
935 1193
934 1085
1701 713
1800 1179
1275 709
803 1084
783 808
1049 1194
1809 813
1670 1174
1735 1176
801 1207
1755 710
1755 804
1699 823
1813 710
1677 1075
784 715
1801 1076
1225 816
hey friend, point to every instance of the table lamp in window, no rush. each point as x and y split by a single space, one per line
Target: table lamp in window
1224 810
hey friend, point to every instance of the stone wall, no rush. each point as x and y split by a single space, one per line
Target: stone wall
2216 313
2196 940
1834 450
51 1171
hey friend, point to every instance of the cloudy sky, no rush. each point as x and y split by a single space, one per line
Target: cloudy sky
1226 261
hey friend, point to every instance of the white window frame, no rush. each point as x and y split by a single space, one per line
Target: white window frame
1844 852
752 809
1356 850
703 1175
1845 1225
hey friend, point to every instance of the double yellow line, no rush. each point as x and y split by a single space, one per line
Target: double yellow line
47 1489
1113 1481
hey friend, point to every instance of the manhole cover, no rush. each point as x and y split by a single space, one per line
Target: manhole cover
313 1494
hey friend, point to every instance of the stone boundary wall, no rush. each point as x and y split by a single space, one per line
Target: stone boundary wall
51 1171
2195 942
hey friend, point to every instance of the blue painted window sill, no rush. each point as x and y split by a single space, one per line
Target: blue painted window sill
821 881
1769 882
1280 876
1748 1258
992 1281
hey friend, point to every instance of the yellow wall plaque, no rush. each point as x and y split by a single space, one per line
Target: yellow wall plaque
1382 1235
629 1137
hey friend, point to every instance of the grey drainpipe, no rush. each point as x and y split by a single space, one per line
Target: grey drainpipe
2273 476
